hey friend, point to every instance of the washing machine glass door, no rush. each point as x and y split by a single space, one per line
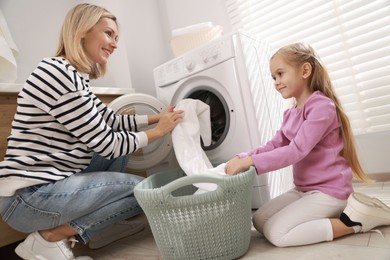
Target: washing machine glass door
157 151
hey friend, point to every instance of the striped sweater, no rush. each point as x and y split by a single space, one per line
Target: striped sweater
58 125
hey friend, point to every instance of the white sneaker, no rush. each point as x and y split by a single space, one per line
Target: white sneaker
115 232
34 247
368 211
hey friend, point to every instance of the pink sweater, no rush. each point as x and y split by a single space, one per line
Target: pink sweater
309 140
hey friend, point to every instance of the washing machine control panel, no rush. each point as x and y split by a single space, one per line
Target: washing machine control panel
194 61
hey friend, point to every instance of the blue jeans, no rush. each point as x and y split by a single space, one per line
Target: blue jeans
88 202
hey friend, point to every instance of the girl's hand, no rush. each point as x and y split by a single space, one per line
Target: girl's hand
238 165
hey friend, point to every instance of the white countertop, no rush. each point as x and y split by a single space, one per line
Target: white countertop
15 88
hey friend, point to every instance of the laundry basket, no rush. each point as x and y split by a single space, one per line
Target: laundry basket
211 225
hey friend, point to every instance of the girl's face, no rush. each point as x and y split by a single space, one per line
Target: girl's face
101 41
290 81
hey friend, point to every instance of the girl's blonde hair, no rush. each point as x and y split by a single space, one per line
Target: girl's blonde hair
299 53
79 20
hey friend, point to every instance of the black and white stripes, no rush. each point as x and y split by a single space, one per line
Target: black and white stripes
58 125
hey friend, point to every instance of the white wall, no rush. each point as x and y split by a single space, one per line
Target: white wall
142 30
182 13
374 152
144 41
146 27
373 149
35 27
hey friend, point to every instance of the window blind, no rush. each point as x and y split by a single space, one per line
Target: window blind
352 38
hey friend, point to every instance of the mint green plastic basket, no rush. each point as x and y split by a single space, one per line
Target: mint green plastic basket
211 225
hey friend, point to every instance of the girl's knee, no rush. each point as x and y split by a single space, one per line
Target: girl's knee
258 220
275 236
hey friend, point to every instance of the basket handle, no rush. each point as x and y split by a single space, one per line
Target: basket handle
188 180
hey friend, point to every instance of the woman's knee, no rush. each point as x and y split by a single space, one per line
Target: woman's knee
99 181
19 212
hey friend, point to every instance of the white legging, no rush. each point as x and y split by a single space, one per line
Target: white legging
298 218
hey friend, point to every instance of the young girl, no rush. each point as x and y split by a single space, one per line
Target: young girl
315 138
63 171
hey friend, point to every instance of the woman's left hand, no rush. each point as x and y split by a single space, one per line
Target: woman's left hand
169 119
153 119
166 121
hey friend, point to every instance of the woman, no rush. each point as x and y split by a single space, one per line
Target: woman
62 173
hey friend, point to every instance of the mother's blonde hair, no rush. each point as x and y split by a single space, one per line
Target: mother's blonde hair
79 20
299 53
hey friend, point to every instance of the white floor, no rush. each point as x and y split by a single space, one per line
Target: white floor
361 246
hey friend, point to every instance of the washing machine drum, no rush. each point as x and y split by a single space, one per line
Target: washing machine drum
156 152
219 116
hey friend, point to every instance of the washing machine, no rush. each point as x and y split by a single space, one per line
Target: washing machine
157 156
231 75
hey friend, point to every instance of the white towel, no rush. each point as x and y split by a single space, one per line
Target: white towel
8 71
186 141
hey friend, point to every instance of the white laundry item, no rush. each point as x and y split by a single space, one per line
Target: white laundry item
191 29
8 67
205 187
186 141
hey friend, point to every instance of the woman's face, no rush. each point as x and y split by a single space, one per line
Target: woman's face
101 41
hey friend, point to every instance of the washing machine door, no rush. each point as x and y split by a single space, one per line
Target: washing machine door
156 152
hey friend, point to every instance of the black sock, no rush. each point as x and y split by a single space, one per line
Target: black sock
347 221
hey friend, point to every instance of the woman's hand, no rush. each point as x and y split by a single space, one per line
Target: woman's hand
169 120
153 119
237 165
166 121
